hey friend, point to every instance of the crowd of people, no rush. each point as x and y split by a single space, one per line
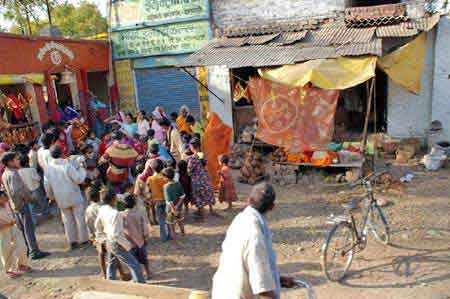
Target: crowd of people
108 190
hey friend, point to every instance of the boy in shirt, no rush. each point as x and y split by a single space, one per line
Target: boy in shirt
137 231
174 196
13 251
156 184
109 224
32 181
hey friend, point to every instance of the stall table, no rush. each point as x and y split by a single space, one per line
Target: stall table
353 165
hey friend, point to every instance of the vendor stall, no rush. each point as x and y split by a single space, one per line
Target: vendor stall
316 91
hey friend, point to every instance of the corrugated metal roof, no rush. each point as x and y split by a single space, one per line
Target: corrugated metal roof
400 30
330 41
287 38
231 42
332 35
374 47
271 28
269 55
256 56
310 53
426 24
260 39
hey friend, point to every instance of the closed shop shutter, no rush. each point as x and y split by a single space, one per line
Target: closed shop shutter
167 87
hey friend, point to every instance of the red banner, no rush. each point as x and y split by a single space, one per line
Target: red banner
297 119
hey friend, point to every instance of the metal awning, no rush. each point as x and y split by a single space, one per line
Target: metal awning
273 55
327 40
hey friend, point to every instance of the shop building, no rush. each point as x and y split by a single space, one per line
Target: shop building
52 72
250 39
149 39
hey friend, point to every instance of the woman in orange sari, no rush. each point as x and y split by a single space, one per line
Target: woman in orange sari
216 141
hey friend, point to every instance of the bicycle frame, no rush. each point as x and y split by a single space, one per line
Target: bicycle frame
360 235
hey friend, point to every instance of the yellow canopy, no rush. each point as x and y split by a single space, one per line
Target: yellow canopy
333 73
405 65
22 78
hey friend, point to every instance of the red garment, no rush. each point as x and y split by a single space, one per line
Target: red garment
140 148
227 191
15 105
121 157
102 147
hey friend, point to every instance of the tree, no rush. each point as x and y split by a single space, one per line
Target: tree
73 21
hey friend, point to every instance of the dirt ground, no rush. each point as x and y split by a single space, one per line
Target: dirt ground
416 265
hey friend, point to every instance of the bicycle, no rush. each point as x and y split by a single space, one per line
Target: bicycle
346 236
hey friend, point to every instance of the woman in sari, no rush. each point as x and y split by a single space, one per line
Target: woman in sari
202 190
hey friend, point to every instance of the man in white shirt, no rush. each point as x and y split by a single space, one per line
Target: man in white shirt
248 263
109 225
63 185
43 154
174 143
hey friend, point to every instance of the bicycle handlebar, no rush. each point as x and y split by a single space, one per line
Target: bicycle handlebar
368 178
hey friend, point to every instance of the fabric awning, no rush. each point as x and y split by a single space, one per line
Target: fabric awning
405 65
21 79
336 73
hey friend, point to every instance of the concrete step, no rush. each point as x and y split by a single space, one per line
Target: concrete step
105 289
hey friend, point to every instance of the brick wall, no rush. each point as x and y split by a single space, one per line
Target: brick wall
256 12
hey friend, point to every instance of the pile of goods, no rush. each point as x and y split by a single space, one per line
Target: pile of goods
346 153
283 174
253 169
238 154
19 135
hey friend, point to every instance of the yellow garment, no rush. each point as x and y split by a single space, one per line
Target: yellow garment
405 65
335 73
182 125
197 128
22 78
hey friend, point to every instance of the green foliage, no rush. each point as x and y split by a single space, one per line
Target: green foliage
73 21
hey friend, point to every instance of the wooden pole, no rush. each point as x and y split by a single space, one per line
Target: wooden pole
368 110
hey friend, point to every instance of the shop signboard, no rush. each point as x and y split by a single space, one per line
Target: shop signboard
131 12
125 84
175 38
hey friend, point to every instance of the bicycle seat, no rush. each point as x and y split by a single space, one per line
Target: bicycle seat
352 205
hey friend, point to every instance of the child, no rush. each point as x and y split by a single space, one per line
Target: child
110 234
88 151
139 147
32 180
156 184
13 251
227 191
185 181
174 196
142 192
99 238
93 196
136 229
93 141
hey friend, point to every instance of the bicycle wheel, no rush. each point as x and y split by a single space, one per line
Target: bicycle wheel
378 225
337 252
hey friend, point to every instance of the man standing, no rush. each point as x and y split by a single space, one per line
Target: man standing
63 179
19 197
248 262
173 139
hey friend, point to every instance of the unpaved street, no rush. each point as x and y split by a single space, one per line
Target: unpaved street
417 265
